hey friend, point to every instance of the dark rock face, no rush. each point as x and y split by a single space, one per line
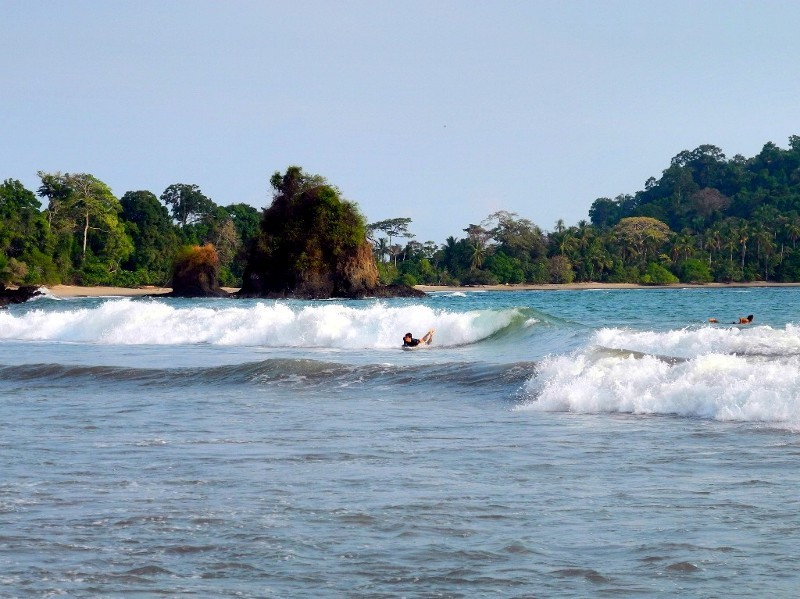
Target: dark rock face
196 273
17 296
395 291
312 245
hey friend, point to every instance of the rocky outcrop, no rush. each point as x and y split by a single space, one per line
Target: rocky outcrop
17 296
312 245
196 273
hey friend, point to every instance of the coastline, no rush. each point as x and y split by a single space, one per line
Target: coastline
68 291
594 286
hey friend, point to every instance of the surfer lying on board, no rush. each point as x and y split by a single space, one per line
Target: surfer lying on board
741 320
409 341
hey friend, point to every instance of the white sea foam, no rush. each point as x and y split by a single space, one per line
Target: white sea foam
691 342
723 374
277 324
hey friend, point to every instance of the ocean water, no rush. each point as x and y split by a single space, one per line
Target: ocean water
607 443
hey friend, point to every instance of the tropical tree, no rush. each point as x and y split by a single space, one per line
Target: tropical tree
392 227
478 245
245 219
24 236
381 249
505 268
85 204
20 216
456 257
560 269
640 236
187 202
712 239
155 241
682 246
792 227
742 233
516 237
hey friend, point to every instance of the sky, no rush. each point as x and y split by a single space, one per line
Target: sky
436 110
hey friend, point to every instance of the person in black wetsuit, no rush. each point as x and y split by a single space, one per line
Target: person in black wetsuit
409 341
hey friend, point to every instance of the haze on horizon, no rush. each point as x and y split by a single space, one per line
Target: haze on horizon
442 112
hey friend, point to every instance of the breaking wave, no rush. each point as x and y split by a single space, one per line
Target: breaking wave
726 374
278 324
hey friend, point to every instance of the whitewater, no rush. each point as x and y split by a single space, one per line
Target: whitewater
548 443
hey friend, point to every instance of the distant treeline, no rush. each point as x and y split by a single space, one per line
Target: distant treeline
87 236
707 218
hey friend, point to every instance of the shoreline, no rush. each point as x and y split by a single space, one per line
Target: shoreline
69 291
595 286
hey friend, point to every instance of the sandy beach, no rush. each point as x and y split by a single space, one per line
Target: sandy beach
78 291
65 291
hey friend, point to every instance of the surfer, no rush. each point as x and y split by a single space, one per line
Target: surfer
409 341
741 320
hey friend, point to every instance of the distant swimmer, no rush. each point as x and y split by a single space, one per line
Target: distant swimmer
741 320
409 341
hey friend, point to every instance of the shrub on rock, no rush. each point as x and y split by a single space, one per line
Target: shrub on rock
195 272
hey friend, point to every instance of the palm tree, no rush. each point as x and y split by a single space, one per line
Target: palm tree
765 246
793 230
742 235
394 251
478 253
683 245
713 241
381 249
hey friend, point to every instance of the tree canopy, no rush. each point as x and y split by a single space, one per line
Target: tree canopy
312 243
707 217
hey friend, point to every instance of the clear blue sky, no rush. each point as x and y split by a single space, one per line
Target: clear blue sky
436 110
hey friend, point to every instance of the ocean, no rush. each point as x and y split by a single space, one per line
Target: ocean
598 443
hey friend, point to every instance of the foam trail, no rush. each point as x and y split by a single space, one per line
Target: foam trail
278 324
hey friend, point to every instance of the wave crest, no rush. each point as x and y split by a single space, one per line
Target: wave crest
278 324
728 375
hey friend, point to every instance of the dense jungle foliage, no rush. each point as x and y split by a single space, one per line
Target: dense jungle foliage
311 243
707 218
87 236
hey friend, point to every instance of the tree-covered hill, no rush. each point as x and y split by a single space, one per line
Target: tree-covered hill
702 188
706 218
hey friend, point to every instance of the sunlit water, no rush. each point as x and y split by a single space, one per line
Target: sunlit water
549 444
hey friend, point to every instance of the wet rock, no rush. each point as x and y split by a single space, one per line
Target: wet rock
17 296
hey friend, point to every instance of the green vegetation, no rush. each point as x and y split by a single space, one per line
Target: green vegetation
85 235
195 272
311 243
707 218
